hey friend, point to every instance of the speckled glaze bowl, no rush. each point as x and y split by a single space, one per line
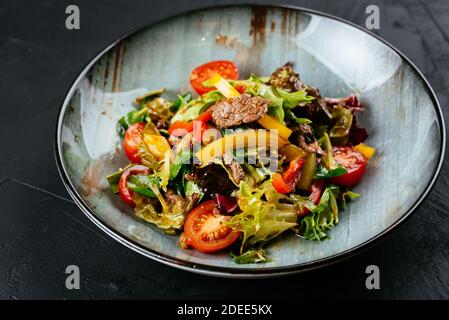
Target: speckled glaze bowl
402 116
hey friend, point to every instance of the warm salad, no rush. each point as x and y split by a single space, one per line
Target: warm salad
243 162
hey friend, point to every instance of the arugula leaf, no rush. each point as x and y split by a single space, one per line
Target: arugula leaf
181 101
114 178
142 185
181 158
324 173
251 256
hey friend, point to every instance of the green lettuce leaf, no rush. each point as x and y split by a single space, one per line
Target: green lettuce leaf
293 99
251 256
195 107
323 217
260 221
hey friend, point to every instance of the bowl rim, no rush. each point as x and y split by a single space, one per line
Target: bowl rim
235 272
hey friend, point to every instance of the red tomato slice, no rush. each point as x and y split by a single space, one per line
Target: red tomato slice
125 194
133 139
224 68
316 189
205 230
354 163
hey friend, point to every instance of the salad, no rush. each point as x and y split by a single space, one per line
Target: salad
243 162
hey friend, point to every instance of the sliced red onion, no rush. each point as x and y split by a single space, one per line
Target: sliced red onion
226 204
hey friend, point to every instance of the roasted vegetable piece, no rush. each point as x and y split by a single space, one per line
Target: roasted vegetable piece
307 172
339 133
291 152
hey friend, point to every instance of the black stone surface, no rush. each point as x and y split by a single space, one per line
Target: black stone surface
42 231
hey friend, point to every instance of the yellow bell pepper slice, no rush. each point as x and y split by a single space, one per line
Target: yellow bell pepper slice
224 86
366 150
259 137
270 123
156 145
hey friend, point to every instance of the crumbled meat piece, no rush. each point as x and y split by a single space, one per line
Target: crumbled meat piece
236 169
306 139
235 111
285 78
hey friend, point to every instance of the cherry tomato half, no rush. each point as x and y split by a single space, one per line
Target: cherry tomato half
133 139
224 68
205 230
125 194
354 163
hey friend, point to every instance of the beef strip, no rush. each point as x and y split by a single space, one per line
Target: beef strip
237 171
236 111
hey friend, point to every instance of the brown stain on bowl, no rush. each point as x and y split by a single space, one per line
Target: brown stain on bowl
258 24
118 54
249 58
284 20
226 41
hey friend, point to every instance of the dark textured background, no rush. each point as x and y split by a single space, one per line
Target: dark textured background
42 231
